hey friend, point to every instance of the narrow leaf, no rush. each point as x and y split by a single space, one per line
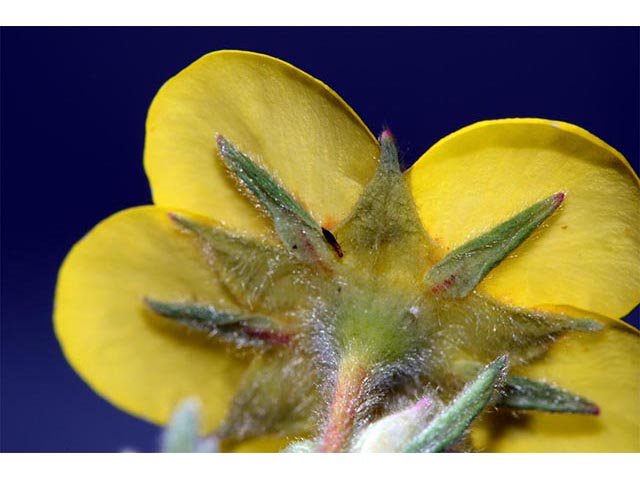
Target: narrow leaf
296 228
459 272
242 330
453 421
523 393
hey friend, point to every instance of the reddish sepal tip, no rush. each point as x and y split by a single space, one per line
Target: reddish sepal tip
386 135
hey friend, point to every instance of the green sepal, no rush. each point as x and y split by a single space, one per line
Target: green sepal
257 275
296 228
450 425
374 305
384 218
526 394
241 330
277 397
389 162
480 328
459 272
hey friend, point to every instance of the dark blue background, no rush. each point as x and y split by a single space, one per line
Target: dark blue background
74 103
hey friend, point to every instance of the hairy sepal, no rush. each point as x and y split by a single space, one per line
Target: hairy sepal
525 394
258 275
479 328
297 229
277 397
239 329
461 271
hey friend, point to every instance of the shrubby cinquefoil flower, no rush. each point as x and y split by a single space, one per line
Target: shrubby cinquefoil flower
295 281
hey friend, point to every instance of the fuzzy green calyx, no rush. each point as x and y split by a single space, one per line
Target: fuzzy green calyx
254 273
386 254
342 323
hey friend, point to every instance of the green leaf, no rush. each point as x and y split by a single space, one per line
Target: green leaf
451 424
459 272
296 228
242 330
527 394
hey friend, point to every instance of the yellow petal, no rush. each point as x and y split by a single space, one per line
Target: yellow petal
263 445
588 255
602 367
292 124
130 356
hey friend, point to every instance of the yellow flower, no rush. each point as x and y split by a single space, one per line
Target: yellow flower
585 263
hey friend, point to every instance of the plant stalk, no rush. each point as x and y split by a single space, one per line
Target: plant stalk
346 401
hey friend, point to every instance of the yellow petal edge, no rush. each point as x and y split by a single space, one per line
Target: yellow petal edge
295 126
586 255
127 354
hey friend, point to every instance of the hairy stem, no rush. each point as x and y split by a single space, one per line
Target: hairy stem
346 400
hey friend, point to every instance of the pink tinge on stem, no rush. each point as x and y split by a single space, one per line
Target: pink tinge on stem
347 398
423 404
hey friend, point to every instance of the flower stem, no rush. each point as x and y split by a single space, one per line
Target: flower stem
346 400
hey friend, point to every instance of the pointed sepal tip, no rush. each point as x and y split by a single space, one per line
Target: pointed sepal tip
457 274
